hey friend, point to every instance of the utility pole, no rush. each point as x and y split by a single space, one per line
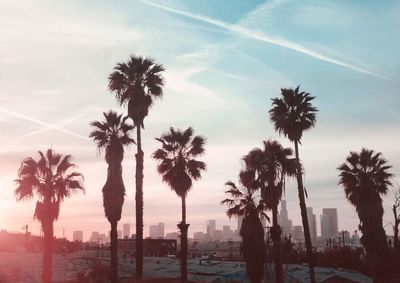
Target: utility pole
342 233
26 227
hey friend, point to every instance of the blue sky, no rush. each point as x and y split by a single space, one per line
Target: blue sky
225 60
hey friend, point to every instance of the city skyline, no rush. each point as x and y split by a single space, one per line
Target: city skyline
220 82
211 226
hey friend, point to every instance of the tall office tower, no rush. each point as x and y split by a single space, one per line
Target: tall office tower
77 236
157 231
126 230
119 234
227 232
329 223
325 227
312 223
284 221
161 230
211 227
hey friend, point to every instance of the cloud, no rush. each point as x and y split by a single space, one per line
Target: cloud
238 29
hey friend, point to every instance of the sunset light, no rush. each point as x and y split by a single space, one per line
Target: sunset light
199 141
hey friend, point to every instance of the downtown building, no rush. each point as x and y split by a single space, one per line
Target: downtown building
126 230
157 231
312 224
284 221
329 223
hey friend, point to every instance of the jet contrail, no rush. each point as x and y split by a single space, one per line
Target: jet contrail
58 125
265 38
34 120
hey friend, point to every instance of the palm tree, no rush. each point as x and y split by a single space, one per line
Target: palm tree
136 84
292 115
178 167
112 134
242 202
365 177
271 165
51 180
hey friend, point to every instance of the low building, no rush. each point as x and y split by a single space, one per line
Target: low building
151 247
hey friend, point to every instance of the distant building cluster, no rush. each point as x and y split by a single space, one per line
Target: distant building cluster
328 224
330 234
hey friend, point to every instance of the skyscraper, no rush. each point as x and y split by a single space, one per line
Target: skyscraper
126 228
161 230
211 227
284 221
157 231
312 222
329 223
227 232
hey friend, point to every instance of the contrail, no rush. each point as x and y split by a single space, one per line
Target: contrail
58 125
34 120
265 38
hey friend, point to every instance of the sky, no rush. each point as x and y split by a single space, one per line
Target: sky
224 62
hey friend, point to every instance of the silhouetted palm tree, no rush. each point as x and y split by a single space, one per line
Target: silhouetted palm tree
51 180
271 166
136 84
292 115
178 167
112 134
365 177
242 202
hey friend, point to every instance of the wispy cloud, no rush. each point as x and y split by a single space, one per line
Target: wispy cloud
238 29
39 122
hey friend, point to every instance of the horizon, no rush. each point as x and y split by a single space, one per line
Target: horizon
222 69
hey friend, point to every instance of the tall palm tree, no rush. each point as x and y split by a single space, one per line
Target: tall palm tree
365 177
178 167
292 115
243 202
271 166
136 84
50 179
112 135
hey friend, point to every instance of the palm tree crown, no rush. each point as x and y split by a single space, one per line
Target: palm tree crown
243 199
112 134
271 165
178 165
136 84
364 177
49 179
293 113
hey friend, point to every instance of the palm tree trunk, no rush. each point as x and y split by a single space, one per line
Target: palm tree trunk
114 252
396 228
139 205
47 251
303 209
276 238
183 227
